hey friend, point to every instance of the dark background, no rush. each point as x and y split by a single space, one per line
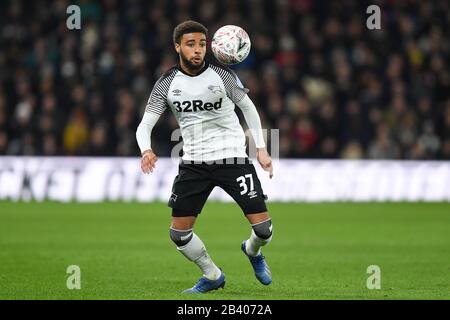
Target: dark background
334 88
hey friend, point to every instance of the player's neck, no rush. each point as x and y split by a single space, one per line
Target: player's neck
189 71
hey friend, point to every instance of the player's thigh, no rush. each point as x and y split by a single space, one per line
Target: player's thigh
191 187
241 182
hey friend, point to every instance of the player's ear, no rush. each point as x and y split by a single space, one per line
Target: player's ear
177 48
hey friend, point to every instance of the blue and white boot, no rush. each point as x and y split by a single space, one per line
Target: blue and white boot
262 271
204 284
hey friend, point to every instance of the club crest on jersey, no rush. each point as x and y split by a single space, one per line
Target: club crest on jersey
215 89
197 105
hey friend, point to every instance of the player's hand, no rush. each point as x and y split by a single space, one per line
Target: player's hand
148 161
265 161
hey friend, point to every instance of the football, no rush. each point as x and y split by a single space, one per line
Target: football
230 44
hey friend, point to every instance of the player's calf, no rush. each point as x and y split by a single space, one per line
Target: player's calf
263 229
181 237
260 236
192 247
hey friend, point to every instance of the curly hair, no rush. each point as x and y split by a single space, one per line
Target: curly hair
188 26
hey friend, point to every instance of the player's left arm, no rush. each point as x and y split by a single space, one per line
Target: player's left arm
254 124
238 94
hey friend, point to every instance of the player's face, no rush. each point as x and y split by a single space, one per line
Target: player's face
192 49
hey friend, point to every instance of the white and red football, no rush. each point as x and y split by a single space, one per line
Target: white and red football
230 44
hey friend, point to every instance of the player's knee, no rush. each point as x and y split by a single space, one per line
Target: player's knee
181 237
263 230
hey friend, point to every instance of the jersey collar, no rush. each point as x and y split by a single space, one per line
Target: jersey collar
199 73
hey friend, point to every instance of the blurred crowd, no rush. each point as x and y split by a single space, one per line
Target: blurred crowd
334 88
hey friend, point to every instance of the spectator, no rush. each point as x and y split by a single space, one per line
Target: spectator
332 87
76 134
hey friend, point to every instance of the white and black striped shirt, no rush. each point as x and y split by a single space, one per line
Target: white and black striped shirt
204 108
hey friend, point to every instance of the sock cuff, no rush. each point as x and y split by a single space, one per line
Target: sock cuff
263 230
179 230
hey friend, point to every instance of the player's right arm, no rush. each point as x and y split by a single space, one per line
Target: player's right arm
143 137
156 105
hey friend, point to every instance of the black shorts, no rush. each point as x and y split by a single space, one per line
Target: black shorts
195 181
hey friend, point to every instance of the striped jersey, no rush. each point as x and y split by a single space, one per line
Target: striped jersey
203 106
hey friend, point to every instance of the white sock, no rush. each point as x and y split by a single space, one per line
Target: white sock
254 243
196 252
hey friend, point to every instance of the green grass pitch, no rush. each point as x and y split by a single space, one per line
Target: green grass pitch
319 251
